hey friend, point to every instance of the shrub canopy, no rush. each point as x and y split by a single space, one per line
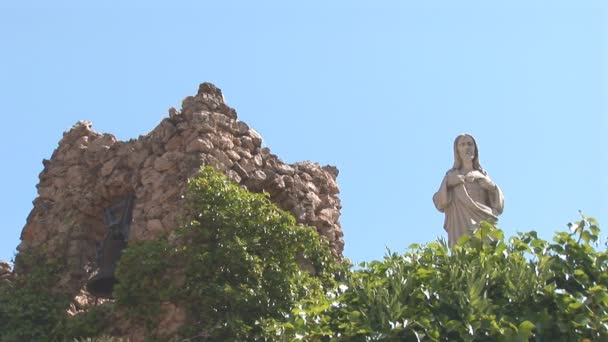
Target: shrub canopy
237 261
483 289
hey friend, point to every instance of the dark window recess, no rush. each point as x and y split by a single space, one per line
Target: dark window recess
117 219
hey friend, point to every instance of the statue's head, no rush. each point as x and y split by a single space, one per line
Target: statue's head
465 148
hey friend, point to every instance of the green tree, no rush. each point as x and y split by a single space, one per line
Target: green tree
237 261
31 309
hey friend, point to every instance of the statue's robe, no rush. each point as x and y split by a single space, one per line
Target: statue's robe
465 205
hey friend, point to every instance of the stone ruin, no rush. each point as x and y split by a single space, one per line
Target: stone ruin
89 171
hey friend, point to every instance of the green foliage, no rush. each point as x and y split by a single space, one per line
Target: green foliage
33 308
145 280
232 265
483 289
89 324
29 309
101 339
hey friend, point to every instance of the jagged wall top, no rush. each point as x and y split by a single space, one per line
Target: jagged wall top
89 170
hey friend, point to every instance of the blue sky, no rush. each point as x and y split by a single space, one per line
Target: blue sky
379 89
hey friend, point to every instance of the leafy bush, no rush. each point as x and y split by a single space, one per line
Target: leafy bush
101 339
29 308
33 306
232 265
89 324
484 289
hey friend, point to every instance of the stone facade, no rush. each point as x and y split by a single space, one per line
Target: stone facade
89 171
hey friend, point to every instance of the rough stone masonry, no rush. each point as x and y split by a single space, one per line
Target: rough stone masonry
89 171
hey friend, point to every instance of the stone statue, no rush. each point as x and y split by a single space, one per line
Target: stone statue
467 195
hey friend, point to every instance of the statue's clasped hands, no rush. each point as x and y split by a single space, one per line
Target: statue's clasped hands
472 176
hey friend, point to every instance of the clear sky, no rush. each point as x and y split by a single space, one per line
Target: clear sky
379 89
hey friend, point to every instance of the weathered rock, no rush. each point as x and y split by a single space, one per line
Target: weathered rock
5 268
199 145
155 226
242 128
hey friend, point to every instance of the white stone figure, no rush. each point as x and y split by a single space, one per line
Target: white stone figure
467 195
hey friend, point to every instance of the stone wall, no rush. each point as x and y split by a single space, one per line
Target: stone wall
89 171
